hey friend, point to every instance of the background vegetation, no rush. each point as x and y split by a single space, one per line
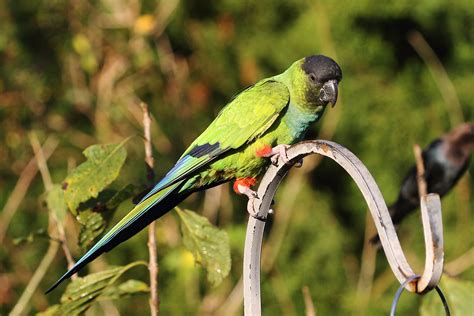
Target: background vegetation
74 73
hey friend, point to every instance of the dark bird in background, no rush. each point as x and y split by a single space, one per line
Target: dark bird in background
445 159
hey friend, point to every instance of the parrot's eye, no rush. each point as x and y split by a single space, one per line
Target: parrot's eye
312 77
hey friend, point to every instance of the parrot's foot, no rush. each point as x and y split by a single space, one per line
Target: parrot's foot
280 151
274 153
242 186
251 194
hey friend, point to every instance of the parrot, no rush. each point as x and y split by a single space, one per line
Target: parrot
257 124
445 159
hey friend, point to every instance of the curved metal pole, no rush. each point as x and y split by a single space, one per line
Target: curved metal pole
430 209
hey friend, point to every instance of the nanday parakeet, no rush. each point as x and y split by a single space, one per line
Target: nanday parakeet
275 111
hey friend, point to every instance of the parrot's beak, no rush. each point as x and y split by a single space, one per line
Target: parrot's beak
328 92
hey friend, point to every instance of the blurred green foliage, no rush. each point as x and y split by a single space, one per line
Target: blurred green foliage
78 70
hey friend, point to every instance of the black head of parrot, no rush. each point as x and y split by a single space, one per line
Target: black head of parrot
324 75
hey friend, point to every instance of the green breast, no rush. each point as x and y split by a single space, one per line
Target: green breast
243 162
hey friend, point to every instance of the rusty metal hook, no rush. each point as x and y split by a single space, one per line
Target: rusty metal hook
430 210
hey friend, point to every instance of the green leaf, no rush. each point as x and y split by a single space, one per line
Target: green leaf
92 225
208 244
82 292
97 204
108 199
56 204
124 194
94 220
458 294
126 289
102 166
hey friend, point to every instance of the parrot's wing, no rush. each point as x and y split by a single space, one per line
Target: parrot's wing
248 116
245 118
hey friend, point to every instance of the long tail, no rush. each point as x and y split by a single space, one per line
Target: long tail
149 209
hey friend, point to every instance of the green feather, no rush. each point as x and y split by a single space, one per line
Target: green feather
277 110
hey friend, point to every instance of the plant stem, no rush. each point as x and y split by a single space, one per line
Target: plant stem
53 244
420 171
48 185
153 262
22 186
310 310
440 76
367 269
35 280
460 264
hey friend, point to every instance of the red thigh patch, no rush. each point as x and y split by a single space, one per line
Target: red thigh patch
244 182
264 151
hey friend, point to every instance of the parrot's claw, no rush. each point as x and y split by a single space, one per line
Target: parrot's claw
277 152
252 195
280 151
